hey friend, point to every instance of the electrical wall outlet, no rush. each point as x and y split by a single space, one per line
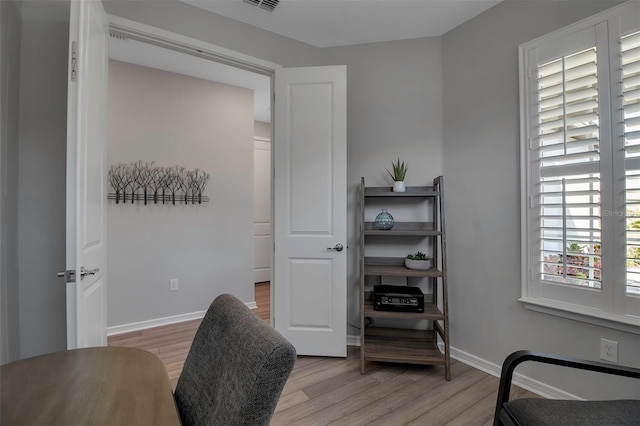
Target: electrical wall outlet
609 350
173 284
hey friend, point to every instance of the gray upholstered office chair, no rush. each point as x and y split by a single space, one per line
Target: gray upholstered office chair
235 370
542 412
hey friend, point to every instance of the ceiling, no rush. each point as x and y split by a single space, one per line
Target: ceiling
329 23
148 55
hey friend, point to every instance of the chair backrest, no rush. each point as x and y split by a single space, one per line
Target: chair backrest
235 370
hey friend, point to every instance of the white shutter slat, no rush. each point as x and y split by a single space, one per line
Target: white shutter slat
632 109
631 96
573 84
586 131
631 68
588 117
631 41
569 158
558 111
631 82
577 133
580 58
631 122
586 94
632 149
632 137
583 95
575 193
550 183
569 170
630 54
570 145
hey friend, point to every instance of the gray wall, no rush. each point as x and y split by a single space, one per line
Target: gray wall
10 22
42 176
481 154
394 98
192 123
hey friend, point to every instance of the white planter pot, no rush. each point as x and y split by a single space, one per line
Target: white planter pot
398 186
421 265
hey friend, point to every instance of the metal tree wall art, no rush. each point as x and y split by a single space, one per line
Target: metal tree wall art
145 182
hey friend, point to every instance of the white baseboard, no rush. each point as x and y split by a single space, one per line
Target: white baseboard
142 325
353 340
521 380
488 367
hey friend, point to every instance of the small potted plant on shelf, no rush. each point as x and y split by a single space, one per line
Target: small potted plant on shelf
418 261
398 175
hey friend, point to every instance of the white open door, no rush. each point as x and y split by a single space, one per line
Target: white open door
310 229
86 141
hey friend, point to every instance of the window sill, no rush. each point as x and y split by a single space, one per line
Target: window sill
626 323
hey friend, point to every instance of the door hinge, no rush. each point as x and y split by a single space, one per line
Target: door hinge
74 61
69 275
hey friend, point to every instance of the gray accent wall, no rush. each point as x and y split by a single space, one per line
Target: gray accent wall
481 162
394 98
10 27
174 119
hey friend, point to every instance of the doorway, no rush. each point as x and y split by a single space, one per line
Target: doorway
162 63
311 147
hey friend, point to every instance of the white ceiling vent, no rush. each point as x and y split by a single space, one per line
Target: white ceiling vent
268 5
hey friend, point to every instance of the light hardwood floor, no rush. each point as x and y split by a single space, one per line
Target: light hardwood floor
322 391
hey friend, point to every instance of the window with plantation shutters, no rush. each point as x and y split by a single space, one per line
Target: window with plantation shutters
568 154
580 149
630 60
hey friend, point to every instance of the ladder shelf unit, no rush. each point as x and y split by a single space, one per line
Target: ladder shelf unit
429 345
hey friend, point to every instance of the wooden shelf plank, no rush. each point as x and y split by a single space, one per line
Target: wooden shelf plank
394 266
403 228
411 191
431 312
401 345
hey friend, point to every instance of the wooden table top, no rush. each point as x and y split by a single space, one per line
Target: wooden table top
92 386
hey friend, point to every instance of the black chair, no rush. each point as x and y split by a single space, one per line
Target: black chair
235 370
540 412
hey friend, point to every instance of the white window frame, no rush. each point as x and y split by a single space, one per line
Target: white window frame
611 306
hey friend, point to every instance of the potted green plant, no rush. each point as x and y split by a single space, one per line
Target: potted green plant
418 260
398 175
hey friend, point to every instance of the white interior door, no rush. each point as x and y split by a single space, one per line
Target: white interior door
310 159
86 141
263 244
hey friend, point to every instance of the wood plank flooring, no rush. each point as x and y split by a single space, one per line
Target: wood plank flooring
323 391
